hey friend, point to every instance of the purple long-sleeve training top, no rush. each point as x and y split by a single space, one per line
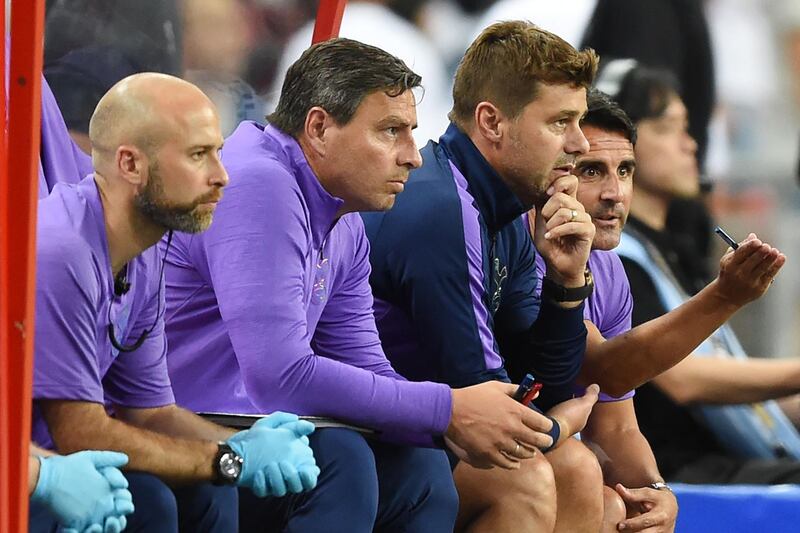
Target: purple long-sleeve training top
271 308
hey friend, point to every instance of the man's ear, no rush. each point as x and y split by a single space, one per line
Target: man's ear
489 122
315 130
131 164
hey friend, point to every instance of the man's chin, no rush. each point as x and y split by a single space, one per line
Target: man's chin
190 223
203 223
605 241
384 204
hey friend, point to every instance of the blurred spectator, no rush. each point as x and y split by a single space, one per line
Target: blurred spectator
273 23
217 38
787 20
747 79
567 19
80 78
671 34
376 24
147 31
448 22
92 44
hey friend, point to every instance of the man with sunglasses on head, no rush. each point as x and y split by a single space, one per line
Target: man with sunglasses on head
100 339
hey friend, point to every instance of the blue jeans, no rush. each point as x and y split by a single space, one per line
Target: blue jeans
159 509
364 486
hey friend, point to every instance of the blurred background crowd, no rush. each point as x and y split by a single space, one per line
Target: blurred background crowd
738 62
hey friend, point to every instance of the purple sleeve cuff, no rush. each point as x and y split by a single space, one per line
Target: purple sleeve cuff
603 397
608 398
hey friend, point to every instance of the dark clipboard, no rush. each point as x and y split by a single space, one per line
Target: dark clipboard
243 421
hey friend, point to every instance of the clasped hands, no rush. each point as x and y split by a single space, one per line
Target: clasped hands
85 491
277 456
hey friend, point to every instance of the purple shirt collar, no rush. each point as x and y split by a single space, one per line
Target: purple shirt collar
323 206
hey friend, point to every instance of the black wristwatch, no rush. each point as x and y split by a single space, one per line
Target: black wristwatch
227 465
558 293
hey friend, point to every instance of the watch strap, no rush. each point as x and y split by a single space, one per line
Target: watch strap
558 293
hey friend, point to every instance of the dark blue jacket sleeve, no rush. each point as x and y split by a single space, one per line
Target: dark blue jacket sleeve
538 336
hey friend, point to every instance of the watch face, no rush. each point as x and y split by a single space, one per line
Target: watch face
230 466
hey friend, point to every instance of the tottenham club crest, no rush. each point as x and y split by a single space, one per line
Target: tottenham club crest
499 275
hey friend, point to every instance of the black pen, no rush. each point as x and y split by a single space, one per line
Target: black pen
725 237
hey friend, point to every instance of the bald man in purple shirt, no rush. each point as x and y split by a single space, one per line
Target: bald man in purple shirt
99 317
272 308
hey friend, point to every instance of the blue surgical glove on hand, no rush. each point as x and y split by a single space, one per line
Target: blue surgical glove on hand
85 491
277 457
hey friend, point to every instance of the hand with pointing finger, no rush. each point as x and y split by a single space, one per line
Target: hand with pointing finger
746 273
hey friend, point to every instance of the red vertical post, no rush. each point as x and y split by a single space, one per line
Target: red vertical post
5 499
19 224
329 20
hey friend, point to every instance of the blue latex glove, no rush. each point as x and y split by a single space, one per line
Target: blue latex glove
277 419
85 491
276 454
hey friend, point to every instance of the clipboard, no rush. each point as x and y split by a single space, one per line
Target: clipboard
245 421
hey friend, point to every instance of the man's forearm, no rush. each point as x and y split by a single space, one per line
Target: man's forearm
629 360
612 432
77 426
176 422
723 380
625 457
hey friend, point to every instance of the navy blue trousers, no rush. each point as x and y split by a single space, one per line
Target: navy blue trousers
364 486
160 509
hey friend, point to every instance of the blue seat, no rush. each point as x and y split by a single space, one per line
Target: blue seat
738 508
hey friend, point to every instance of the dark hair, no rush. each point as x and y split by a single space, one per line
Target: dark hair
605 113
336 75
643 92
507 62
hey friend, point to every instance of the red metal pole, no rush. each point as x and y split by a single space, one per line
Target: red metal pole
329 20
24 114
5 498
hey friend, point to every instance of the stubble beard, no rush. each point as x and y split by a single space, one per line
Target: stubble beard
530 188
171 216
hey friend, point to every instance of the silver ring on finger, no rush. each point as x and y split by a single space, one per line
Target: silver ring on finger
573 215
516 450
